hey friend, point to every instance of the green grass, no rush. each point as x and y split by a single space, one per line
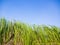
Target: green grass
18 33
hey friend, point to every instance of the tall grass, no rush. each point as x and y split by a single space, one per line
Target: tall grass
18 33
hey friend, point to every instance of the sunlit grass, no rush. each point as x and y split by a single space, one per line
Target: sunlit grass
17 33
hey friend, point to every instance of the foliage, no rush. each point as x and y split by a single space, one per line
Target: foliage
24 34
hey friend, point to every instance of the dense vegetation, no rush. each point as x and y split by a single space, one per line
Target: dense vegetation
17 33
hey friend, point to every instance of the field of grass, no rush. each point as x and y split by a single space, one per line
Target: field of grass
18 33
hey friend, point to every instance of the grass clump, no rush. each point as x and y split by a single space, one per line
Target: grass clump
17 33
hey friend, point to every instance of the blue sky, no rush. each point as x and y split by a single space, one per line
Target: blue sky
31 11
